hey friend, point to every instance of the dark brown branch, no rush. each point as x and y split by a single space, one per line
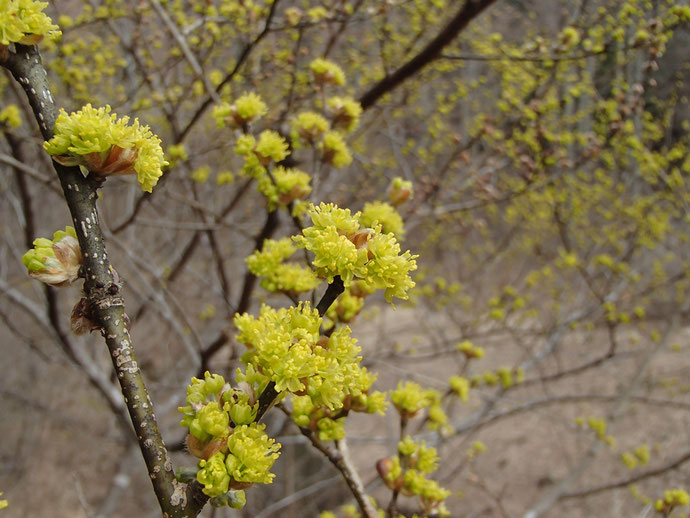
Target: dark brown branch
433 49
627 481
332 292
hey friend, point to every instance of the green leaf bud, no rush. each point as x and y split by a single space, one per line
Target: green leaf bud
400 191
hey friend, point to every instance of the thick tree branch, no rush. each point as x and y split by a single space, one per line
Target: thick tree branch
102 292
464 16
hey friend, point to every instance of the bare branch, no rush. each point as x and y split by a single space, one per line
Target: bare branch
431 51
674 464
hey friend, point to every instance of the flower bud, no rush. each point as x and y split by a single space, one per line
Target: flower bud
399 191
385 468
55 262
361 237
327 72
205 450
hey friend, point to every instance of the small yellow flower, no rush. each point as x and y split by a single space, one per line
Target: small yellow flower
245 109
11 116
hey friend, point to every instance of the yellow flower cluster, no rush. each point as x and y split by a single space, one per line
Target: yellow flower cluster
23 21
11 116
461 386
278 275
309 126
345 112
384 214
672 498
638 457
407 473
342 247
244 110
285 346
327 72
234 450
469 349
247 459
409 399
334 150
105 145
286 186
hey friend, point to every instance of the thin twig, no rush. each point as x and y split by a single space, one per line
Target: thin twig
188 54
244 54
548 500
674 464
